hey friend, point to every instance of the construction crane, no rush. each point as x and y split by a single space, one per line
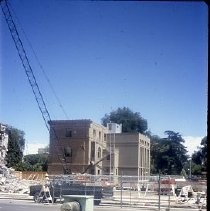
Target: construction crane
30 76
34 85
25 62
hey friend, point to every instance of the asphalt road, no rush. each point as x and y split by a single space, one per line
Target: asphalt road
20 205
24 205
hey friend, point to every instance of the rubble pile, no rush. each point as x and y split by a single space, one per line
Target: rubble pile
9 183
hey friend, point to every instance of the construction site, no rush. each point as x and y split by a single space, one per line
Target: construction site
99 177
90 165
106 184
152 193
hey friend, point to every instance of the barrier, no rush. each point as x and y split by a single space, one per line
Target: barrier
71 206
77 203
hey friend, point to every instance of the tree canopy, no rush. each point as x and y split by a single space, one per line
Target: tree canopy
168 154
199 158
131 121
33 162
16 145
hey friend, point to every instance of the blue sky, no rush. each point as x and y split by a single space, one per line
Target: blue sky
148 56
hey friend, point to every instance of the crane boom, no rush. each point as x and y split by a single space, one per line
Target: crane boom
25 62
31 77
33 82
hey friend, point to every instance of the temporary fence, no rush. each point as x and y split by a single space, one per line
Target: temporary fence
125 191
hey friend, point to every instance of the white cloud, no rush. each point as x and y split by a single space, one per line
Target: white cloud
33 148
192 143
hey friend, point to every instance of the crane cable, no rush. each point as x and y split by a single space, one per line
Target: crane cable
39 63
32 80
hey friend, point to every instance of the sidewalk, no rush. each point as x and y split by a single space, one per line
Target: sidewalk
15 196
110 203
148 204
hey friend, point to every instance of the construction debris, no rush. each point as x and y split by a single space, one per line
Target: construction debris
188 196
3 143
9 183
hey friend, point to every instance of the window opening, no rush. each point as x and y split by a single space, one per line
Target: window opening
68 133
99 152
68 151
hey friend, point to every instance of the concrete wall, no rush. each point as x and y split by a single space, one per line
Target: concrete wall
114 163
134 153
88 142
76 137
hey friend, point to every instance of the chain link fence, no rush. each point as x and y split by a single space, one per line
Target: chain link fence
152 192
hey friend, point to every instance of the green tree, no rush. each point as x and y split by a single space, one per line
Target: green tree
199 158
196 169
21 166
169 154
154 152
131 121
16 145
177 151
37 161
33 162
204 153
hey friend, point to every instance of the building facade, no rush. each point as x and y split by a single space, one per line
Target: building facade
79 143
3 143
130 154
85 146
